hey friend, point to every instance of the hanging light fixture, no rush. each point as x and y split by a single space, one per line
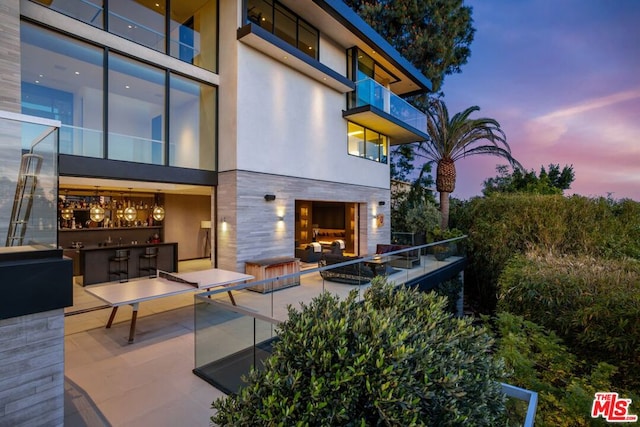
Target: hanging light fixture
120 209
130 212
66 212
96 212
158 210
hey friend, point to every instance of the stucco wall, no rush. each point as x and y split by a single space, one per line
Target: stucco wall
297 123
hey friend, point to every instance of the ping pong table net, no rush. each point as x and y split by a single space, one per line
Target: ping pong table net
172 278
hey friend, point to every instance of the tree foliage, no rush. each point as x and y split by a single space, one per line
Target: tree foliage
555 181
434 35
397 358
453 138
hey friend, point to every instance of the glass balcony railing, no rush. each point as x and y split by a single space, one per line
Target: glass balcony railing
370 92
80 141
235 334
28 169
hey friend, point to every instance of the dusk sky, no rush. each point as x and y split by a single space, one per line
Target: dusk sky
563 79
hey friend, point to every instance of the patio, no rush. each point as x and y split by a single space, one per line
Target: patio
110 382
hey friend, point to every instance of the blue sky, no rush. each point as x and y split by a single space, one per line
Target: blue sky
563 79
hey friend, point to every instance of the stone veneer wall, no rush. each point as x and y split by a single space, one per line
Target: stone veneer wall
32 346
32 370
253 230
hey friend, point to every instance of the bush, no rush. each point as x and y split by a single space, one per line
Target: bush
502 226
395 358
539 361
592 303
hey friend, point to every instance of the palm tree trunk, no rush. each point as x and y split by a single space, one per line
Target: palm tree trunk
444 210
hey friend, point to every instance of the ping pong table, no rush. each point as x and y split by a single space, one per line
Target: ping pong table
165 284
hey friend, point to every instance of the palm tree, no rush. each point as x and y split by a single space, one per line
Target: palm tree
455 138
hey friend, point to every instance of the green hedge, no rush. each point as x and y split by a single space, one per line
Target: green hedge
504 225
592 303
538 360
396 359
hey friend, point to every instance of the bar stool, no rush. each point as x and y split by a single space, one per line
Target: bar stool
119 265
148 261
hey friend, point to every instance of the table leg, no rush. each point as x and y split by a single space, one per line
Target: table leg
113 315
134 317
233 301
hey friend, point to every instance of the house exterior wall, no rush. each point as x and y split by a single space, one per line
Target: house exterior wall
32 373
32 346
282 132
252 230
297 123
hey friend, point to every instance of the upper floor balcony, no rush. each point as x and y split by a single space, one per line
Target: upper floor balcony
376 107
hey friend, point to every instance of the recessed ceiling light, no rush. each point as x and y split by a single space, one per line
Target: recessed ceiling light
126 86
77 73
37 81
41 75
157 4
286 57
130 26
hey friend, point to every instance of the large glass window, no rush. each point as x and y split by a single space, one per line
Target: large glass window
62 79
193 25
192 126
136 111
366 143
89 11
277 19
139 21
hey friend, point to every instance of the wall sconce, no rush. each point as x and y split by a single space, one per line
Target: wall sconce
224 224
281 218
381 203
269 197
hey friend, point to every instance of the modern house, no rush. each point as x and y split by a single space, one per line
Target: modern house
256 126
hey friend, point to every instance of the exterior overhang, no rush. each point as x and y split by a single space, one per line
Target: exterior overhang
339 22
375 119
265 42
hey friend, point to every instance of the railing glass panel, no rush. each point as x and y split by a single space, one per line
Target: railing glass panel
370 92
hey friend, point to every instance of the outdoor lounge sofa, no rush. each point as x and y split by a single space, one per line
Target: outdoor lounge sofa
309 253
406 259
353 274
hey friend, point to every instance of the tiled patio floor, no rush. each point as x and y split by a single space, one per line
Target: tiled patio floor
109 382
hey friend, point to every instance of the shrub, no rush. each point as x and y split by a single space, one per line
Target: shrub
592 303
502 226
451 290
396 358
538 360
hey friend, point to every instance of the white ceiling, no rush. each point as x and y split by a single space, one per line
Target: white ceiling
121 186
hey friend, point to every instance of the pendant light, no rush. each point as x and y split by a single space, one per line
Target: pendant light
158 210
130 212
66 212
96 212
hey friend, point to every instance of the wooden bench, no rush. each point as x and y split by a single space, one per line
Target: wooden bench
269 268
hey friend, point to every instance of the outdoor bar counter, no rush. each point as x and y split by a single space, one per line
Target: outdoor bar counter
95 262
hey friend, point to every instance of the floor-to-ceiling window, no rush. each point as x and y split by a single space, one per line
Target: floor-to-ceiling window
191 24
136 111
282 22
192 111
62 79
139 21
